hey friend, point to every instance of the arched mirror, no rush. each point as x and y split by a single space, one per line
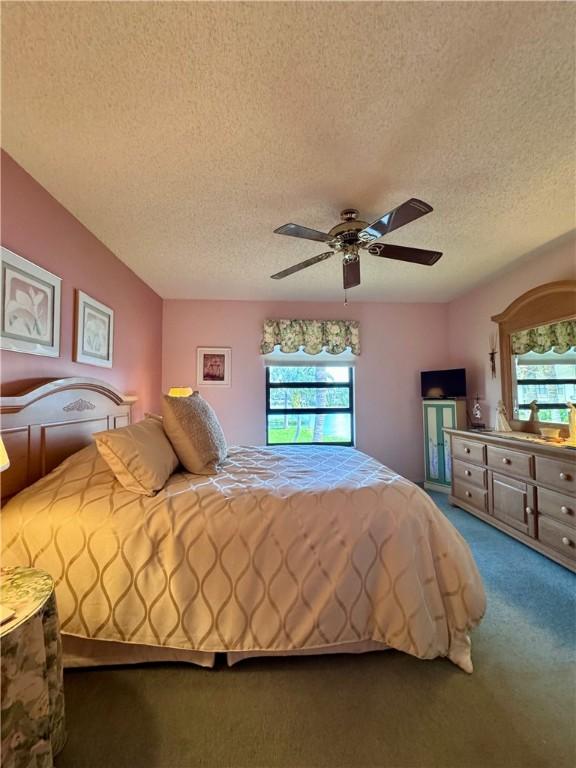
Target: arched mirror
537 335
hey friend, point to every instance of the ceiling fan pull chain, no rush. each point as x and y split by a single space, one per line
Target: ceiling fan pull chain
345 298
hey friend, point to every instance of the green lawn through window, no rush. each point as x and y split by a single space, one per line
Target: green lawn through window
336 428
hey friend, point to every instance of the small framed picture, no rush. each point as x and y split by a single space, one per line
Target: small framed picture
94 331
29 307
213 366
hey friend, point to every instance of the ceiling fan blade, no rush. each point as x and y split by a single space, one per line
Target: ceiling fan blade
295 230
351 273
400 253
409 211
302 265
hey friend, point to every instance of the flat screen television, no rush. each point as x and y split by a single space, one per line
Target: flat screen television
441 384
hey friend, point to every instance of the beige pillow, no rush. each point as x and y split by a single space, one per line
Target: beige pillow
140 455
195 433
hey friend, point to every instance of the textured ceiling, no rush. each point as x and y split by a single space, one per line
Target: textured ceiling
182 134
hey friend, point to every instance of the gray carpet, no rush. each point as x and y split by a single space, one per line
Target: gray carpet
518 709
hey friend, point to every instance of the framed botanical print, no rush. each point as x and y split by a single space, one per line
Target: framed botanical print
29 307
214 366
94 331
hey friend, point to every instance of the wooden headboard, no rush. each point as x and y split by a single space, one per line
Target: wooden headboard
46 424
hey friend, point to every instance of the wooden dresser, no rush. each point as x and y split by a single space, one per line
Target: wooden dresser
524 488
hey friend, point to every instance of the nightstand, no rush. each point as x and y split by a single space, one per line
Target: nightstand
32 702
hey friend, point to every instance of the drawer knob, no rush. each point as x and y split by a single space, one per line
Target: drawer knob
466 450
529 511
505 460
566 541
564 476
467 472
564 510
468 494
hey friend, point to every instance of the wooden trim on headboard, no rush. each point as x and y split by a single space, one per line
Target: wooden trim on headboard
47 423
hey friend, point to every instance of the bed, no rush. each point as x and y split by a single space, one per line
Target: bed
287 550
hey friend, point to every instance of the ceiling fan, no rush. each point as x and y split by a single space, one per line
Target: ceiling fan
352 234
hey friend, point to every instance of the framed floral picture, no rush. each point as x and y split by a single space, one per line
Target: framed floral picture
29 307
214 366
94 331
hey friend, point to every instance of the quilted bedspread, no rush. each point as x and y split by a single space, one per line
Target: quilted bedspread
286 548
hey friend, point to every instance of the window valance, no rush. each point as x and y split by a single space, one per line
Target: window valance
311 336
556 337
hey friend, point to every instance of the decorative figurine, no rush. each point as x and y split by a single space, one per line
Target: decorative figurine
502 419
572 422
477 414
533 411
476 410
492 355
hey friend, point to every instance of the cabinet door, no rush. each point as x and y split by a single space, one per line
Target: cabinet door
513 503
447 419
433 462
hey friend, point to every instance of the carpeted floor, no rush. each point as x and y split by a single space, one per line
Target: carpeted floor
518 709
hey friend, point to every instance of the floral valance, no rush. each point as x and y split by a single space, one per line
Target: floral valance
558 337
311 336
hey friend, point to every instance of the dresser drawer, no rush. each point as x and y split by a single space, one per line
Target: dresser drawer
557 474
511 462
470 473
513 503
469 450
561 538
470 494
562 508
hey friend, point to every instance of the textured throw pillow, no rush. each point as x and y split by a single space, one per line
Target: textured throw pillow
140 455
195 433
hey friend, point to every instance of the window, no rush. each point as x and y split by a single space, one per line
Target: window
311 405
549 378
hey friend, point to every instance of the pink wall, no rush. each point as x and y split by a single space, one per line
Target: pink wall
37 227
469 324
398 340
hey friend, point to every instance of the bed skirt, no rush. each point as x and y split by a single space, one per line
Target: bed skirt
83 652
365 646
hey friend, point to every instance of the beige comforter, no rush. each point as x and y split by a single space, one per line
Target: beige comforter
286 548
